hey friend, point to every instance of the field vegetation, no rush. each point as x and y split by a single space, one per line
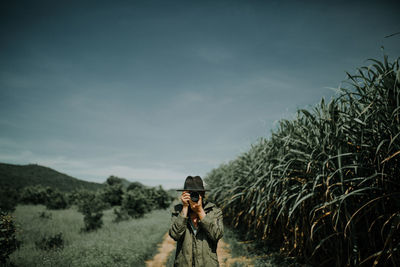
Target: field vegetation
325 186
53 238
44 226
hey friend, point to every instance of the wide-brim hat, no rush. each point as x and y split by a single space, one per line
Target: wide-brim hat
193 183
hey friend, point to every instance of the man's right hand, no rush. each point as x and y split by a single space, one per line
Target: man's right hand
185 197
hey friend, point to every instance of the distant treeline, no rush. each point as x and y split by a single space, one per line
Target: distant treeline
325 187
134 199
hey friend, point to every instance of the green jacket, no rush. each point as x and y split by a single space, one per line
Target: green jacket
200 249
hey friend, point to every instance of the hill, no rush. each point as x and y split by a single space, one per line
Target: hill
19 176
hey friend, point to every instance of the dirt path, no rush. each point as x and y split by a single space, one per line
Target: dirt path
225 258
168 245
164 249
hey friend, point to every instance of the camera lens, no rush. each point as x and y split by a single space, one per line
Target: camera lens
194 196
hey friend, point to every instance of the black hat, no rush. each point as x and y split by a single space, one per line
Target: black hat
193 184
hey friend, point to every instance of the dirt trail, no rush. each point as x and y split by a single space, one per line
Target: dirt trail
164 249
168 245
225 258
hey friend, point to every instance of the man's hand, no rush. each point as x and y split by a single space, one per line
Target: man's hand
198 207
185 197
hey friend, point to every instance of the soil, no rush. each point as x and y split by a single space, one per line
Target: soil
164 249
168 245
225 258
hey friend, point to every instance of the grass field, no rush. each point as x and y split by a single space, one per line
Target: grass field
128 243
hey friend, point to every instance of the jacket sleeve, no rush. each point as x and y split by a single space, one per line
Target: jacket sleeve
178 224
213 224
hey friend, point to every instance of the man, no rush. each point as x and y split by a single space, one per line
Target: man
196 226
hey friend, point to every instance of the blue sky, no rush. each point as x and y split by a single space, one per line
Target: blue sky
153 91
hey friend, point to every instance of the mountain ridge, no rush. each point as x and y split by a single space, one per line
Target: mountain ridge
19 176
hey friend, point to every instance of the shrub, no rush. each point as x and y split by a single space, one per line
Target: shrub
120 215
77 196
91 207
135 185
51 242
113 180
52 198
135 203
8 199
162 198
151 194
112 194
93 221
55 199
72 197
8 240
139 200
33 195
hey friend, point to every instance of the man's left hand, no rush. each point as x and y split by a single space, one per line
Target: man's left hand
198 207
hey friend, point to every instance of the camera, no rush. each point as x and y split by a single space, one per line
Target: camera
194 196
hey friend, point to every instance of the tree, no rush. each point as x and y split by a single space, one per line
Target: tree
8 199
112 180
91 207
33 195
112 194
134 185
136 203
55 199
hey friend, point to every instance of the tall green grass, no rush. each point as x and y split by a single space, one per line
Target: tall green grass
326 186
127 243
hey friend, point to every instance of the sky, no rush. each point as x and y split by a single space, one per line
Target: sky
154 91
